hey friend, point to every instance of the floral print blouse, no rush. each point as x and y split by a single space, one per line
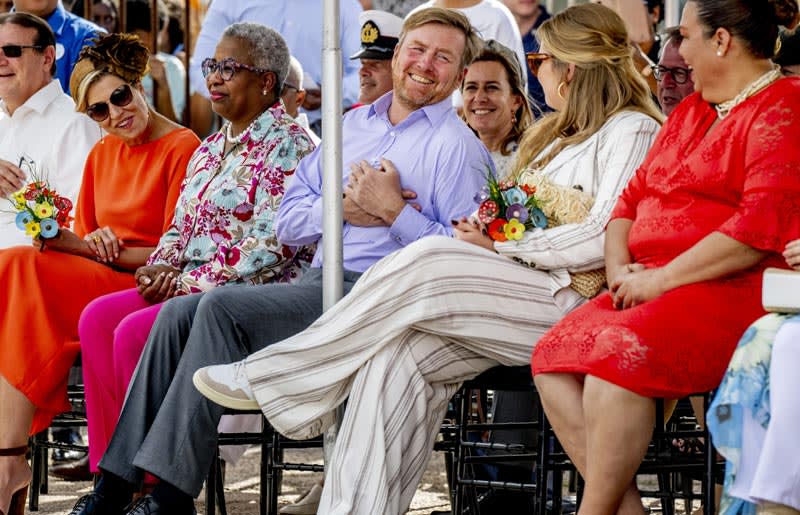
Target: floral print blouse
224 225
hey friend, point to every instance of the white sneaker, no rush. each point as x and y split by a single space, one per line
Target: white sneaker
306 504
227 385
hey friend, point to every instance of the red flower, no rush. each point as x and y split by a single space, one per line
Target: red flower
495 230
529 190
488 211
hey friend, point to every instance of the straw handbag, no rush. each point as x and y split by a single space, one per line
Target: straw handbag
566 205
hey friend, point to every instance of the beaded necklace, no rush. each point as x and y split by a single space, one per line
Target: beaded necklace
238 139
724 108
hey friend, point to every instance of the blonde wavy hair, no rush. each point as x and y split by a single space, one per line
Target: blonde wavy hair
593 38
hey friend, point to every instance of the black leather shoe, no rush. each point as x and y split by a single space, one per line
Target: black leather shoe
77 470
147 505
95 504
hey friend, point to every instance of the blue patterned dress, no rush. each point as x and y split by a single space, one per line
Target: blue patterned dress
744 392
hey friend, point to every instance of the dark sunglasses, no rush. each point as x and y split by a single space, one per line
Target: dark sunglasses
535 60
14 51
120 97
226 68
679 75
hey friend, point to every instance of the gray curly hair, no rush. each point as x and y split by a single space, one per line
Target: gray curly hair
265 47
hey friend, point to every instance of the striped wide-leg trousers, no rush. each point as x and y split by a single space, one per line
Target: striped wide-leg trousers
415 325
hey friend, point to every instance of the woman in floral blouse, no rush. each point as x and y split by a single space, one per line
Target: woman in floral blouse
223 230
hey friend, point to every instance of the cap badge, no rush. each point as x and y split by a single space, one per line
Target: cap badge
369 33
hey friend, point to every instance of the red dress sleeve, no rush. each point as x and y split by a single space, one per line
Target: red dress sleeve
768 216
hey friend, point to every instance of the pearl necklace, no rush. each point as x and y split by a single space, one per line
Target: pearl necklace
238 139
724 108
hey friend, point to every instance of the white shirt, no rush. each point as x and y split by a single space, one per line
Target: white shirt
492 20
47 130
601 165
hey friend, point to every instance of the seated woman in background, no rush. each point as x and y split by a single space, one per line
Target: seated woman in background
222 231
496 108
130 185
442 310
495 105
713 205
755 415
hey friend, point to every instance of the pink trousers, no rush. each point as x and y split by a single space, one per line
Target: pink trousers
113 331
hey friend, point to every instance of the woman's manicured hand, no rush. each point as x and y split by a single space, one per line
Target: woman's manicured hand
637 287
104 243
65 241
473 232
157 283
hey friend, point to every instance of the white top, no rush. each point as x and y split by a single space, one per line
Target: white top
602 165
493 20
47 130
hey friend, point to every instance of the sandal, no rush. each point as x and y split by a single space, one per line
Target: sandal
17 503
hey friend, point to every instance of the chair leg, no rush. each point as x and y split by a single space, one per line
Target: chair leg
37 454
262 468
463 415
710 457
220 486
211 484
543 467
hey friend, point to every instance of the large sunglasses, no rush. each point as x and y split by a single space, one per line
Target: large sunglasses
535 60
679 75
15 51
120 97
226 68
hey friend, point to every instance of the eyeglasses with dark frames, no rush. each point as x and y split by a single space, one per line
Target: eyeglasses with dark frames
14 51
226 68
679 75
535 60
120 97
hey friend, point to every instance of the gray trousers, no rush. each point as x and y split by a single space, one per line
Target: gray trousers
166 427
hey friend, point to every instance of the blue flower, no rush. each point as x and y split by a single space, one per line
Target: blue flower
260 258
49 228
517 211
284 156
229 197
538 218
23 219
483 194
515 196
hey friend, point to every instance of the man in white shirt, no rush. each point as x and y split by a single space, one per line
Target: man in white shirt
38 124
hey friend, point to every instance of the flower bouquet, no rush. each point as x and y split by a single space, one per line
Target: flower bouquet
41 212
509 208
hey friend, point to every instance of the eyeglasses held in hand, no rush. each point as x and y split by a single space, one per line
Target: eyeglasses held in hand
14 51
120 97
226 68
535 60
679 75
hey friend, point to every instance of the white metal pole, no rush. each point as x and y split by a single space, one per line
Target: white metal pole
332 267
672 13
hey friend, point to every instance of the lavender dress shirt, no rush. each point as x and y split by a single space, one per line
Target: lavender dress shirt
436 155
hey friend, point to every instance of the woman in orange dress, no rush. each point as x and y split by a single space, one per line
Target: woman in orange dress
130 185
714 203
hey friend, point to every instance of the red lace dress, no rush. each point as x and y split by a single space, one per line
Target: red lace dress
741 179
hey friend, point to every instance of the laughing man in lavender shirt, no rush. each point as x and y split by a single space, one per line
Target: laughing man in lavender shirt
409 144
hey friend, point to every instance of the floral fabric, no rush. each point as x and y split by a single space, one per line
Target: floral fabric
224 225
744 392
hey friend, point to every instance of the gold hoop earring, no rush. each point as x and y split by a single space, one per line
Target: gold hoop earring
561 84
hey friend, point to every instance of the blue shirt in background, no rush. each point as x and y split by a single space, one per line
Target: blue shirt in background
530 44
72 34
436 155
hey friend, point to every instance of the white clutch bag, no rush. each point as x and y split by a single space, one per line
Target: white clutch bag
780 291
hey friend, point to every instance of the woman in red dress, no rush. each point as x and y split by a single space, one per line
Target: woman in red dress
130 185
713 204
